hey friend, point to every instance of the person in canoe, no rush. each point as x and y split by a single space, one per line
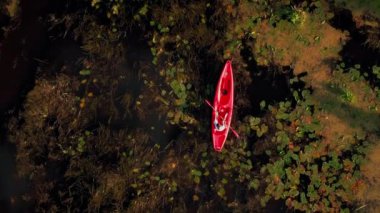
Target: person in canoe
217 125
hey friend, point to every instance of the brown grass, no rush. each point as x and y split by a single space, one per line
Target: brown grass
13 7
371 171
307 47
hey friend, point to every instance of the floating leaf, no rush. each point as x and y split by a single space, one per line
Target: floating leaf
143 10
221 192
196 172
254 184
85 72
262 104
197 180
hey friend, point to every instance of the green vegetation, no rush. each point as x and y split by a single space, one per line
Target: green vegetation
306 171
364 5
124 127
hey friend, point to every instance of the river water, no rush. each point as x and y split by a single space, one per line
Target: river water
20 50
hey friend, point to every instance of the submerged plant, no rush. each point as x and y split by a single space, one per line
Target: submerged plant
306 173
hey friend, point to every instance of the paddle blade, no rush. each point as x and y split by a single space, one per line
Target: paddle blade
208 103
235 133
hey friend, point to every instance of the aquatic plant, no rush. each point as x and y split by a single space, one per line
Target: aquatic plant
306 171
372 7
286 43
373 37
101 42
254 124
181 92
288 13
115 9
121 156
376 71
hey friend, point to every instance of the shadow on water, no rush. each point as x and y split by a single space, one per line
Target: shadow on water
355 51
138 60
29 45
39 48
18 49
4 21
269 83
25 47
209 71
354 116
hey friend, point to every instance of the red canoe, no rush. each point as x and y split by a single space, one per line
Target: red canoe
223 107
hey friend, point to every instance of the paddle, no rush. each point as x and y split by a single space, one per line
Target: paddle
233 131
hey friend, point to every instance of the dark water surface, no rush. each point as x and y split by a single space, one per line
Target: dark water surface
18 53
30 46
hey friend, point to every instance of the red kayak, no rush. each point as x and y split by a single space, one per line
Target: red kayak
223 107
